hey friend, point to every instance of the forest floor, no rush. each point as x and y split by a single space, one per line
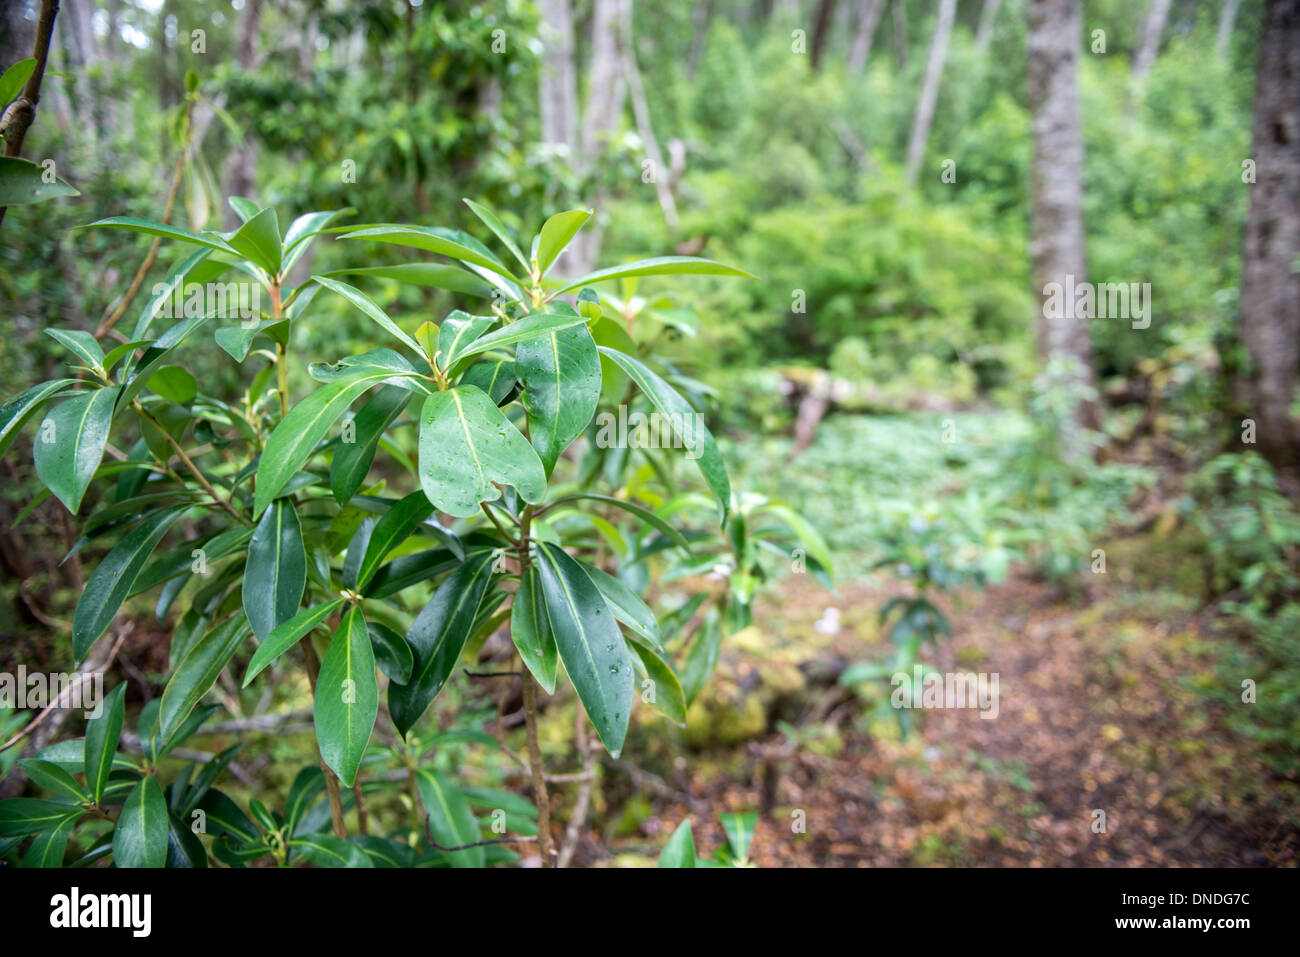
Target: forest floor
1102 709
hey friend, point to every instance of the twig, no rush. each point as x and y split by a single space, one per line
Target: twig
19 116
186 140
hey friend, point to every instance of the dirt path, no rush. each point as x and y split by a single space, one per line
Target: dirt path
1098 712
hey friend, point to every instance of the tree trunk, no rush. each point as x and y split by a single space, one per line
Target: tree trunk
1227 17
241 165
559 80
1056 185
1149 45
664 177
868 19
821 29
900 34
929 89
988 17
606 91
1270 285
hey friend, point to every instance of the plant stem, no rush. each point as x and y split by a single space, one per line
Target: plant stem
22 112
281 355
189 464
540 797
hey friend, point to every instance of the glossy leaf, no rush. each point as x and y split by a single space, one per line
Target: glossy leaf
390 531
102 734
660 266
499 230
466 445
70 444
352 459
450 819
259 241
530 630
347 697
287 634
590 644
140 838
275 576
560 373
326 850
627 606
680 849
432 275
198 672
370 308
22 182
19 410
687 424
113 579
437 637
557 232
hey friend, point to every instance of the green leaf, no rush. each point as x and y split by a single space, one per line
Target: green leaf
740 832
80 343
48 847
390 531
102 734
680 849
557 232
70 444
22 816
529 327
175 384
668 697
347 697
140 838
467 444
496 377
647 516
298 434
560 373
686 422
286 635
51 777
530 630
178 275
112 581
352 459
259 241
370 308
434 239
392 653
437 637
432 275
22 182
626 606
457 333
14 79
184 849
661 266
817 549
166 232
301 232
703 657
590 644
276 574
198 672
19 410
491 221
326 850
244 208
451 820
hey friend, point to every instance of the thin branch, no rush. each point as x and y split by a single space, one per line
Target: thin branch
20 114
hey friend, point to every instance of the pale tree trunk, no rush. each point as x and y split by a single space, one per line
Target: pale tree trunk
988 17
559 78
1227 17
900 33
664 177
869 12
929 89
606 91
1270 283
1056 185
822 20
240 177
1149 45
